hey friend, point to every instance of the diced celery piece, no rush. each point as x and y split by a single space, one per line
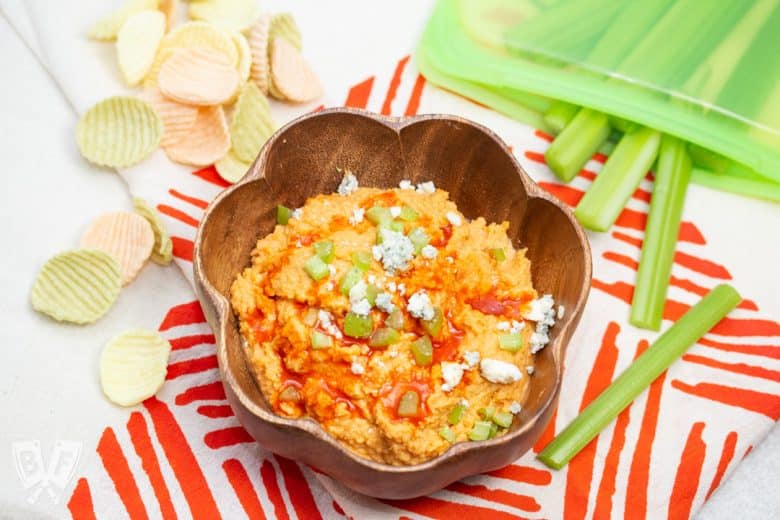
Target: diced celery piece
422 350
356 326
434 325
493 430
487 412
395 320
498 254
378 214
511 342
408 214
447 434
383 338
283 214
320 340
455 414
353 276
409 404
419 239
325 250
503 419
316 268
480 431
371 293
397 225
362 260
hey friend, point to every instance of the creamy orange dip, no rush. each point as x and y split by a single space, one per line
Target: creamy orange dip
401 348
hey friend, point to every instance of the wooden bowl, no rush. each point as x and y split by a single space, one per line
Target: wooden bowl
483 179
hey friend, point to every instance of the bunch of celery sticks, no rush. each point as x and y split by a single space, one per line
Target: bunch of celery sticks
737 40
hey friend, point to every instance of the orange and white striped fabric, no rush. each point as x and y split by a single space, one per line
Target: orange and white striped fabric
184 454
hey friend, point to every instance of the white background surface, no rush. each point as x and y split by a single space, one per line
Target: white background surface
48 375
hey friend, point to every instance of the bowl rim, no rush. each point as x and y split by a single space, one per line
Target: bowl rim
221 304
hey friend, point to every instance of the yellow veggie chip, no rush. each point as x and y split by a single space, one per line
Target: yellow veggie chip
162 252
251 125
291 77
231 168
133 366
234 15
283 25
137 42
198 76
207 142
125 236
108 27
244 65
177 118
258 43
192 34
118 132
77 286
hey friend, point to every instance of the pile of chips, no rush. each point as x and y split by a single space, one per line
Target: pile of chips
229 55
80 286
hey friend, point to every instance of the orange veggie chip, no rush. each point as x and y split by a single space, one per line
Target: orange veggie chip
207 141
177 118
292 77
198 76
127 237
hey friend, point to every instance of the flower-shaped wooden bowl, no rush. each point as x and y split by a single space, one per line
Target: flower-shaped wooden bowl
303 159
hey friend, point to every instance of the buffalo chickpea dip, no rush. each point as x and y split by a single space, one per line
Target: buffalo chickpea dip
392 320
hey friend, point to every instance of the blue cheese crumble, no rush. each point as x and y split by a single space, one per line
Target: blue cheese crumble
420 306
543 312
395 252
349 184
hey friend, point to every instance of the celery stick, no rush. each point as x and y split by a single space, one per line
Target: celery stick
756 188
608 194
569 152
707 159
559 115
712 74
663 223
638 376
744 94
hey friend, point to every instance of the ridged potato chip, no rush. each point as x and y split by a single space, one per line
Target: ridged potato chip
207 142
192 34
258 43
162 251
234 15
251 125
291 77
119 132
133 366
125 236
137 42
108 27
198 76
177 118
168 8
77 286
231 168
283 25
244 65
